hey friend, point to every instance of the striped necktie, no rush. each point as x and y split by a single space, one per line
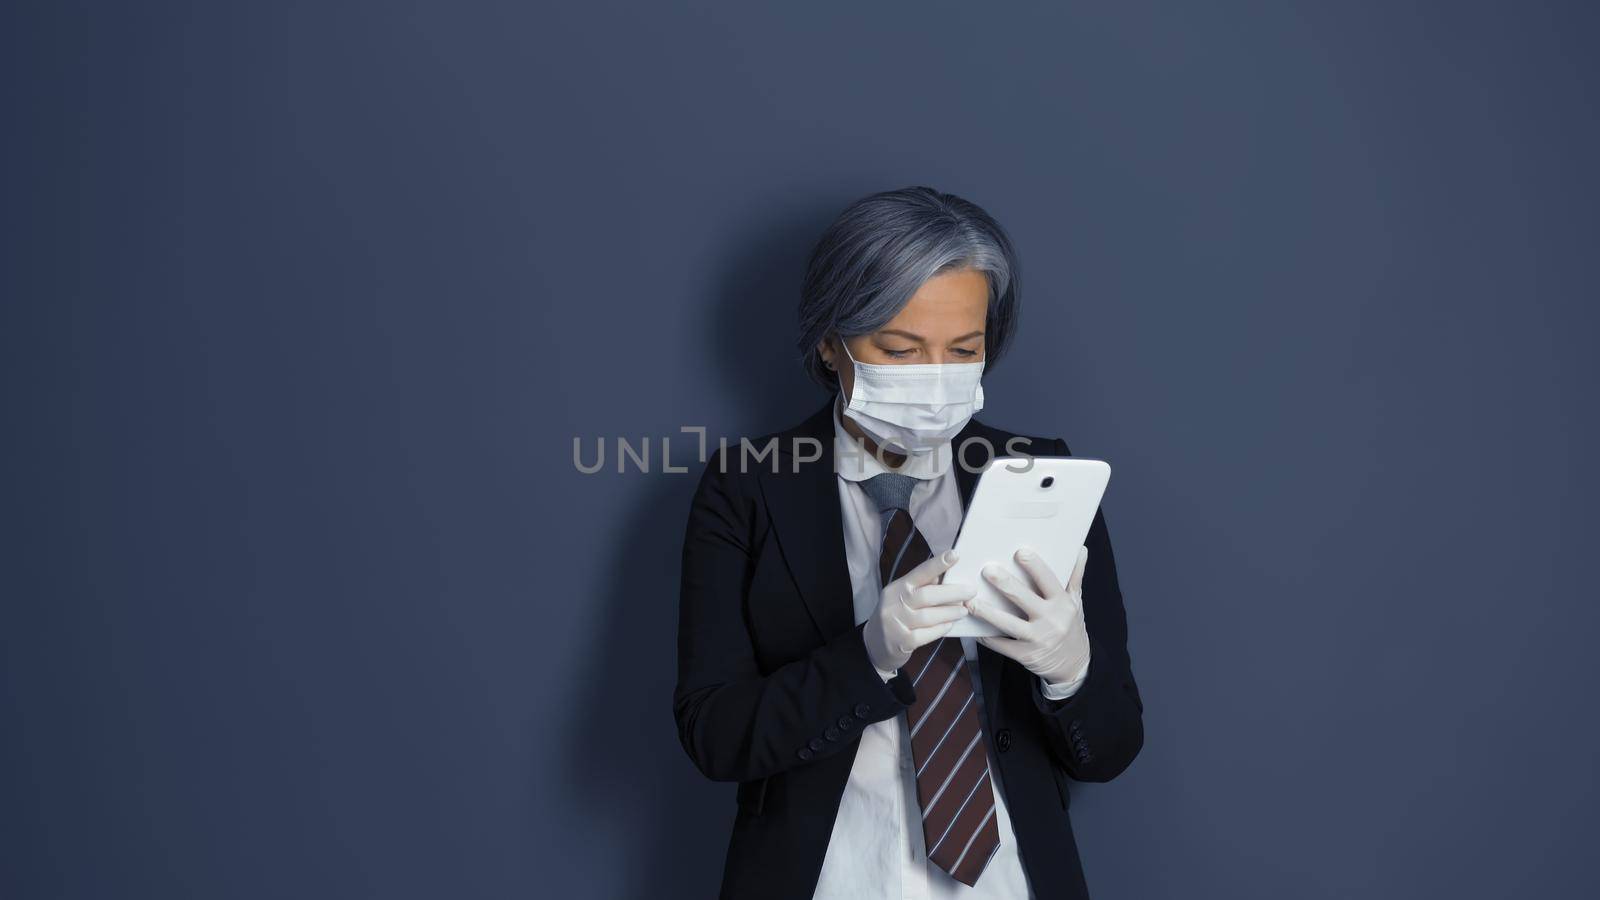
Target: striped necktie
947 742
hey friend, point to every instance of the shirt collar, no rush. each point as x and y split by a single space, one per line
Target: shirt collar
853 462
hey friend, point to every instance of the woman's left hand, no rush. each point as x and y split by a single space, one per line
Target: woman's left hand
1052 641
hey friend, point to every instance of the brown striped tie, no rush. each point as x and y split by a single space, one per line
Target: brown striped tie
947 741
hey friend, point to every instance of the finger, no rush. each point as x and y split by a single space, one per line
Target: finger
1011 625
922 636
1075 580
1044 580
1003 645
934 615
1014 590
940 595
929 570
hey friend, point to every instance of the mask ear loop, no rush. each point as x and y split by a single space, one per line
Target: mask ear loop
853 365
843 346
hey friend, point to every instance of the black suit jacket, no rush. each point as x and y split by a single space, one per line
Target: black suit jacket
774 683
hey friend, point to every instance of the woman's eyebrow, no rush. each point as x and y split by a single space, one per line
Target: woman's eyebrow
917 337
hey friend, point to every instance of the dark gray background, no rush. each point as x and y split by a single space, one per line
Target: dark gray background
305 304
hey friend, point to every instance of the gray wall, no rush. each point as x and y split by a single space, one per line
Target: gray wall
305 303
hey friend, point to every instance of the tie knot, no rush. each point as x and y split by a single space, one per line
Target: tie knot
890 490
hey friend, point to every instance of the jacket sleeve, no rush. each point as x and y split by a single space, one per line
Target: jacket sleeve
1096 733
736 722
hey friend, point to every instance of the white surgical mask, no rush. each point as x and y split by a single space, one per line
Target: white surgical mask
913 409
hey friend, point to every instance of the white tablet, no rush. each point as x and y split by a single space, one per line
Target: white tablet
1046 502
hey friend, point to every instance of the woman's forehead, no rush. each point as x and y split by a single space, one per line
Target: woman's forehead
948 303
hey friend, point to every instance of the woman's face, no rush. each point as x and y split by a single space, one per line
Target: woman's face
942 323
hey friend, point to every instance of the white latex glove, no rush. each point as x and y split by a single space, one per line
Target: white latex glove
1052 641
913 610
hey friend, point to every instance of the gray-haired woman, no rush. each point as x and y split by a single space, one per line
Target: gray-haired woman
875 757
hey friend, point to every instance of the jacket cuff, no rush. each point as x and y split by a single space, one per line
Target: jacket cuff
875 697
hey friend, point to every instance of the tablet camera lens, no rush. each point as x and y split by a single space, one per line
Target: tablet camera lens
1048 480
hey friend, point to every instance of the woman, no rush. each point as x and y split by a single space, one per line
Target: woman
875 757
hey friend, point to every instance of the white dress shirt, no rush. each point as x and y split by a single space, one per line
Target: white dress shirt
876 851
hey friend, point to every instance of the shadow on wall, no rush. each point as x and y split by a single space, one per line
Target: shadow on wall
625 764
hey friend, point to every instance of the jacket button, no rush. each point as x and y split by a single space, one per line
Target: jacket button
831 733
1002 740
814 743
804 753
862 710
846 722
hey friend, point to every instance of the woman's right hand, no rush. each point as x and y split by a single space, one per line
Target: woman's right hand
914 610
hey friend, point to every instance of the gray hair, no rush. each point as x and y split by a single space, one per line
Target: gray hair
881 249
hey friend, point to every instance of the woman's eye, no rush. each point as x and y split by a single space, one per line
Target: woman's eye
896 354
962 351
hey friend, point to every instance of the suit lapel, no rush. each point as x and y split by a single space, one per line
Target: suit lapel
804 510
966 479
